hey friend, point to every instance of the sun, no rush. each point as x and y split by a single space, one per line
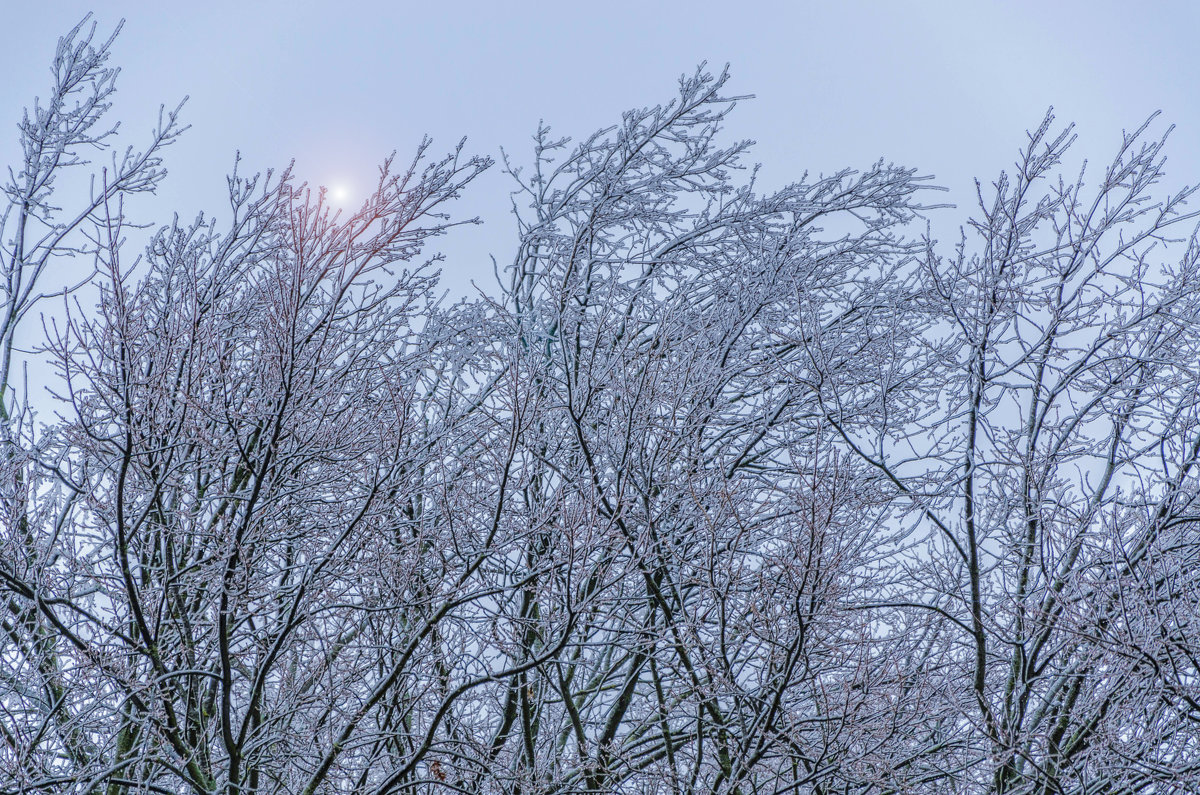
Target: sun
339 194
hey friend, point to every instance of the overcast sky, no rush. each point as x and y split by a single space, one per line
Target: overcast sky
948 87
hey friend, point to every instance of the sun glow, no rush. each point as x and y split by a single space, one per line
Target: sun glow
339 195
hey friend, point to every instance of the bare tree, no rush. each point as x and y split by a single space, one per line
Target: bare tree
1053 458
725 543
41 704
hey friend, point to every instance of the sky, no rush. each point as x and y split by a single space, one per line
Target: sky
946 87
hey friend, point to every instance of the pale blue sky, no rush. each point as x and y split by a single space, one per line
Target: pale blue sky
948 87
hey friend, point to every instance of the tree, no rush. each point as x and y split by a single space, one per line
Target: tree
718 491
1053 460
648 301
39 695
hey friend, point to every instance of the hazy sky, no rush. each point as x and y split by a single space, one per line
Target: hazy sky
948 87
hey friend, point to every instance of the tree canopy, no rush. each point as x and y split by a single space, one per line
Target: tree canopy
717 490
